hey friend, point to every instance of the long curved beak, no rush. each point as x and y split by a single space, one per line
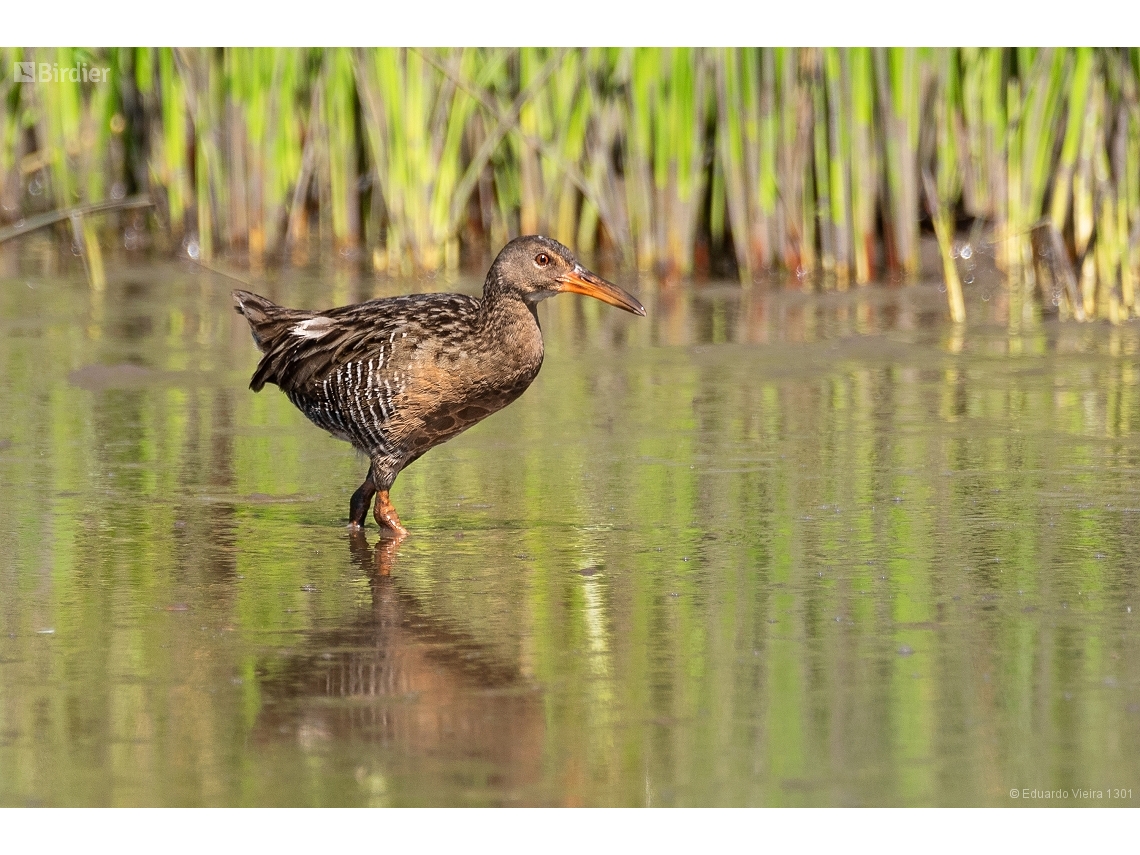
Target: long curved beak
582 281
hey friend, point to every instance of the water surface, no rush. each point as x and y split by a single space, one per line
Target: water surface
759 548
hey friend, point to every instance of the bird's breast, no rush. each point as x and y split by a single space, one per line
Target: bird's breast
461 380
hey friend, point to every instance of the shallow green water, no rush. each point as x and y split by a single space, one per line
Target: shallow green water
756 549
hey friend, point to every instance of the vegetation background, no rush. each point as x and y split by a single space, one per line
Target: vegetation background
825 163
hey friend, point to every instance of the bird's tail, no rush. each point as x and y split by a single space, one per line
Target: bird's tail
267 320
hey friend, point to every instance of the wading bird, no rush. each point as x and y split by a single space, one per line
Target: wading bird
398 376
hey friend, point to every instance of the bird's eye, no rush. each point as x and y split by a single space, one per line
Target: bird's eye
542 259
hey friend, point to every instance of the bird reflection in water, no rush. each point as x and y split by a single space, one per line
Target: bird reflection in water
410 683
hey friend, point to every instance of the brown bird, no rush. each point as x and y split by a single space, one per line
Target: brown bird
398 376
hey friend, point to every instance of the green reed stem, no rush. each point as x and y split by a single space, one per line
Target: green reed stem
943 189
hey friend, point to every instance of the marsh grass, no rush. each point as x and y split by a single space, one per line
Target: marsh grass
824 163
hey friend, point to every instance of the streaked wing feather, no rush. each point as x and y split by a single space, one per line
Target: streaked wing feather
300 362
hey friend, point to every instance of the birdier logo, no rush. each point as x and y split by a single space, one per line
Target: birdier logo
50 72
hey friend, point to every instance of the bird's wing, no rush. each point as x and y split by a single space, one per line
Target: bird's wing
313 346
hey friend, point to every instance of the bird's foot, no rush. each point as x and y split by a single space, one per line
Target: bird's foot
387 518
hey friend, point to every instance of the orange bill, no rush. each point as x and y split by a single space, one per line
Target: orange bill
582 281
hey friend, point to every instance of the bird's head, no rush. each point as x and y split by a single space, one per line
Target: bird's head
532 268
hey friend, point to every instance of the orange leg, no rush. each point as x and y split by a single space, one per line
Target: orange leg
386 515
